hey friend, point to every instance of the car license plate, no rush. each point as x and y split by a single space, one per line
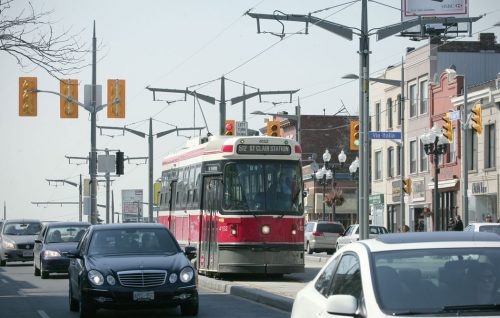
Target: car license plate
144 296
27 253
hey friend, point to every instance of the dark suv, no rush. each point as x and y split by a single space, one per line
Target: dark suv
321 236
17 238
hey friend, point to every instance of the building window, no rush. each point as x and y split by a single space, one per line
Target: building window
390 162
472 150
399 154
413 100
423 97
413 156
399 109
424 159
378 165
489 146
377 116
389 113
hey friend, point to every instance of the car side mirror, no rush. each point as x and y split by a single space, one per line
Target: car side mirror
190 252
342 305
73 254
38 241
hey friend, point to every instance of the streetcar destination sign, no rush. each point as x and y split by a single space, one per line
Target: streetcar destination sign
263 150
384 134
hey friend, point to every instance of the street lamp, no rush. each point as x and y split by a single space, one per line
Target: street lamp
328 173
435 144
74 184
288 116
353 169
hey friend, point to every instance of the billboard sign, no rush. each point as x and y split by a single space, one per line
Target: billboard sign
429 8
132 201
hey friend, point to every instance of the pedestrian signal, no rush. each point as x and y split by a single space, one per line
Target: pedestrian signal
27 96
116 98
230 127
68 106
407 185
354 135
273 128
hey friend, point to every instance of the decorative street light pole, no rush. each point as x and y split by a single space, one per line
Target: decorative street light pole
435 145
328 173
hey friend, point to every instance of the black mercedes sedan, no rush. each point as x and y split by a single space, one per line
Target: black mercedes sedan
131 265
53 243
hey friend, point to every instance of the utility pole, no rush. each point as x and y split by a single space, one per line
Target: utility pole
465 164
112 207
4 210
402 147
93 142
150 155
74 184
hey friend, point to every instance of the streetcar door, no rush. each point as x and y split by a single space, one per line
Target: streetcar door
211 203
172 202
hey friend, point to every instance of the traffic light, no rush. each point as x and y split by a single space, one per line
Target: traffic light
407 185
230 127
477 119
448 127
116 98
120 160
354 140
27 96
68 88
273 128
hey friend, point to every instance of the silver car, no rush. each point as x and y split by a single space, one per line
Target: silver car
321 236
17 238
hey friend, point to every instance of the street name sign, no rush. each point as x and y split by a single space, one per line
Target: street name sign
384 135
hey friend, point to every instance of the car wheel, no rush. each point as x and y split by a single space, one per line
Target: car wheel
189 309
308 249
73 303
86 309
2 262
43 273
36 271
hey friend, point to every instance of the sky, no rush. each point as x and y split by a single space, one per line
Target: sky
179 44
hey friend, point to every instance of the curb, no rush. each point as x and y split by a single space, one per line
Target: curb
254 294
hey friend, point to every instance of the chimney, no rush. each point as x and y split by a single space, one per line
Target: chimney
487 41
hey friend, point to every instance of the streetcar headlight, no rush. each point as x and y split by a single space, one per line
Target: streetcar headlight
49 253
294 231
96 277
266 229
186 274
233 229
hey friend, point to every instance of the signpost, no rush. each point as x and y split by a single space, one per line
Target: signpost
132 205
384 135
241 128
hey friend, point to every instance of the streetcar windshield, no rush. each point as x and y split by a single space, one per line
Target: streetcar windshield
263 187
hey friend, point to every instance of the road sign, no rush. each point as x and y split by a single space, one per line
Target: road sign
384 135
241 128
454 116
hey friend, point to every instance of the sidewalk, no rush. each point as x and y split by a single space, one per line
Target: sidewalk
278 293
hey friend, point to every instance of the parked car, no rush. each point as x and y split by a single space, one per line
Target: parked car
321 236
431 274
351 234
483 227
53 243
17 239
131 265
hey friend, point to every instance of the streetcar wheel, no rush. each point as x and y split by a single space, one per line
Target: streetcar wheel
43 273
189 309
73 303
36 271
308 249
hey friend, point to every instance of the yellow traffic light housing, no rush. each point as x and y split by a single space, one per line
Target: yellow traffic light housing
354 135
273 128
477 119
68 88
27 96
407 185
116 98
447 128
230 128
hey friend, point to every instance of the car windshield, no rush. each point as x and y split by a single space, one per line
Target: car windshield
436 280
22 228
330 228
132 241
260 187
490 228
65 234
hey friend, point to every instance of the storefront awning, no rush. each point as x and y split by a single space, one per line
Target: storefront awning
443 184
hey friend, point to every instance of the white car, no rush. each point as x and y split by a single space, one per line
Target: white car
483 227
351 234
425 274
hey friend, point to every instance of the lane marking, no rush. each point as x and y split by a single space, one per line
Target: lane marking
4 281
43 314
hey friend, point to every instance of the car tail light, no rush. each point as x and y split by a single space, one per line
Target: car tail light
317 233
298 149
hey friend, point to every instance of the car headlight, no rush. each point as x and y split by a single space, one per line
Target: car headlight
186 274
172 278
49 253
96 277
111 280
9 244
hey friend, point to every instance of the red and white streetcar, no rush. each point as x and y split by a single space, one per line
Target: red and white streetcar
239 201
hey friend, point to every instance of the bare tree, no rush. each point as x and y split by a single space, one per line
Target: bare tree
29 37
